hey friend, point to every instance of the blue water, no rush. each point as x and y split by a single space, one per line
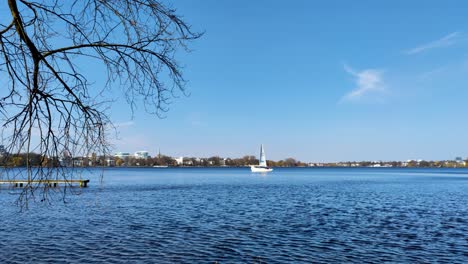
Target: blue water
297 215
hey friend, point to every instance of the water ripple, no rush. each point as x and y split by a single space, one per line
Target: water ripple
237 218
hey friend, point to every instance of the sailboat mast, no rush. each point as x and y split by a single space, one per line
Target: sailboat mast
262 157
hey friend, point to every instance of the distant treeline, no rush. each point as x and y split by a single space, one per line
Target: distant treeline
214 161
405 164
21 160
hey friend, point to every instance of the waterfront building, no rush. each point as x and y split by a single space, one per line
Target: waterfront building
179 160
188 162
65 162
122 155
78 162
142 154
110 162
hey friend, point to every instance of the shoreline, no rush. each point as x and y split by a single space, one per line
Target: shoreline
232 167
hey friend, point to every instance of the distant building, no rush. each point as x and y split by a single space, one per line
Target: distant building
142 154
110 162
65 162
78 163
188 162
458 160
179 160
65 159
122 155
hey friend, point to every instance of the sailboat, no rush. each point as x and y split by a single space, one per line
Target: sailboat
262 167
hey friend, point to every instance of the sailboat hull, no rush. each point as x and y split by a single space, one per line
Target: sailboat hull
260 169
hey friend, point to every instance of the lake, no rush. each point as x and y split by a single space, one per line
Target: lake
229 215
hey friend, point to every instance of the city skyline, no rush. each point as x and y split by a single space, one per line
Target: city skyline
148 154
315 88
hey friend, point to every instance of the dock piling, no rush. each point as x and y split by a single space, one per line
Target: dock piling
48 183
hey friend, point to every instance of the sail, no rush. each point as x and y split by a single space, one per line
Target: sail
263 162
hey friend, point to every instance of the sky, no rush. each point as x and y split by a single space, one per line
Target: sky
320 81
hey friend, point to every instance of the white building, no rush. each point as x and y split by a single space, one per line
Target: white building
78 163
222 162
110 162
179 160
142 154
122 155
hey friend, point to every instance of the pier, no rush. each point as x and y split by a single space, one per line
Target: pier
49 183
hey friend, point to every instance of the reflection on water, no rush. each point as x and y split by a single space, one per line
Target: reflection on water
231 215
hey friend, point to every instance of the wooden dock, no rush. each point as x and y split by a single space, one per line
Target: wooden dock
49 183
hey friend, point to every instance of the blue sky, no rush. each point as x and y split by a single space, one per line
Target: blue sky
316 80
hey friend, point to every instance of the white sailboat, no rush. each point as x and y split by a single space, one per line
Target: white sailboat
262 167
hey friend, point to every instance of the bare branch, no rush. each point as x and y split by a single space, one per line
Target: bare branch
50 107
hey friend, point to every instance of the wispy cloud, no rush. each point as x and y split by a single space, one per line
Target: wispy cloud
445 41
368 81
